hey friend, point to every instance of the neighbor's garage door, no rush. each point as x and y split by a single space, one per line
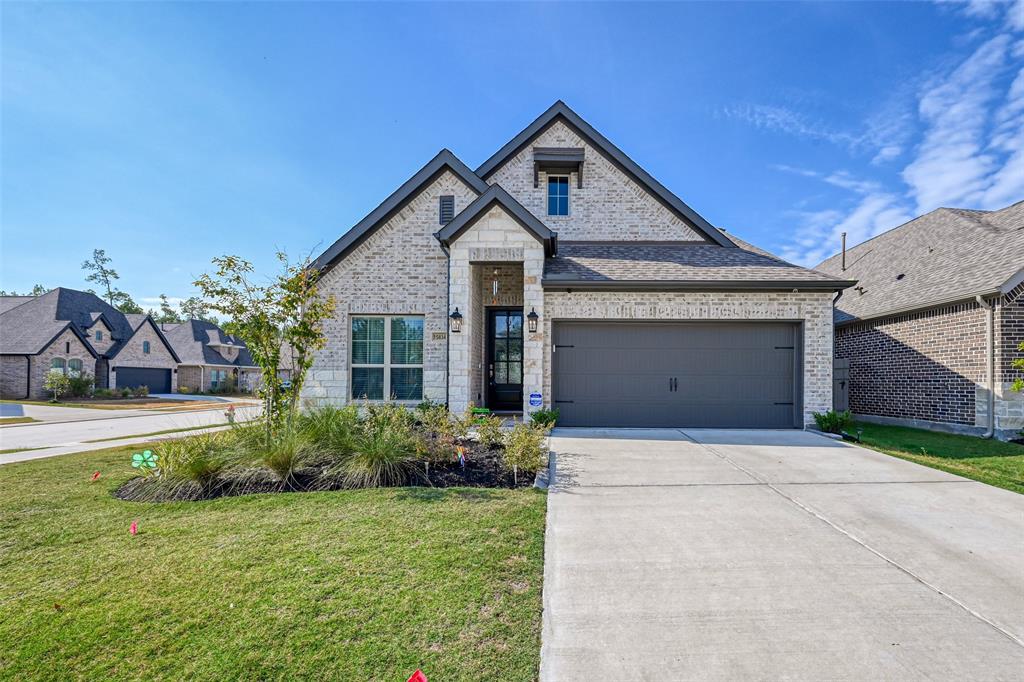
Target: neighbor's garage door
158 380
676 374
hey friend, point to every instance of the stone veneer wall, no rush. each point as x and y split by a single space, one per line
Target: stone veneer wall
1009 334
813 309
510 295
399 270
609 206
494 238
131 355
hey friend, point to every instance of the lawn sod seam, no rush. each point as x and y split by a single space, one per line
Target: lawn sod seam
364 584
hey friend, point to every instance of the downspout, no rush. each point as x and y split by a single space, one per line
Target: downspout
990 364
448 332
28 377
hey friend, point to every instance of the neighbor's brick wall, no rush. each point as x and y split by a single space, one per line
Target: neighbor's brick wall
13 376
66 346
814 309
103 346
399 270
609 206
131 355
191 377
923 365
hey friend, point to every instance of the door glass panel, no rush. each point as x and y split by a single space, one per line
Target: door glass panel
501 373
515 326
500 350
500 326
515 372
515 349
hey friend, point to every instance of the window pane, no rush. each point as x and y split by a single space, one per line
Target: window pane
552 206
500 326
515 349
500 373
75 367
407 383
407 341
57 363
500 349
403 328
563 206
515 372
368 382
367 341
515 326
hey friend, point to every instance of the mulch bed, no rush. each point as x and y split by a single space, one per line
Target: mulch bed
484 468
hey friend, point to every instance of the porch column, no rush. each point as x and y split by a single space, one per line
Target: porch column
533 344
458 344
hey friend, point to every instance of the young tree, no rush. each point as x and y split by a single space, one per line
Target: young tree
37 290
125 303
1018 363
58 383
287 310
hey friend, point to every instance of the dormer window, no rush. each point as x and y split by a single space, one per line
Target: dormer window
145 347
99 335
558 195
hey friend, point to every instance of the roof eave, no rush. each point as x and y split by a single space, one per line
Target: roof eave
496 195
918 307
558 284
444 160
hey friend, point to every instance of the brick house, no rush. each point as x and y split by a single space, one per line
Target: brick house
935 321
211 358
561 274
73 332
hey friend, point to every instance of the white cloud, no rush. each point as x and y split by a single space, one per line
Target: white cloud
887 153
1015 16
784 120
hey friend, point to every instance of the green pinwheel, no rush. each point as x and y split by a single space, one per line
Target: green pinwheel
144 460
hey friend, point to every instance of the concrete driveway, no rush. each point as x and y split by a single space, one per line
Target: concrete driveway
725 555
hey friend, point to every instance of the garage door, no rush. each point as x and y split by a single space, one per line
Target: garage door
677 374
158 380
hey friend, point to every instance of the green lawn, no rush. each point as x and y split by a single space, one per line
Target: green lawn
361 585
989 461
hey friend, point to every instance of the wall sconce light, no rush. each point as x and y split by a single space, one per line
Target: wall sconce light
531 320
455 321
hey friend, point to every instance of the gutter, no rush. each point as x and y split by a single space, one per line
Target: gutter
990 364
919 307
556 284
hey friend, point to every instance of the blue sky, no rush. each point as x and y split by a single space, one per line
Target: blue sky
171 133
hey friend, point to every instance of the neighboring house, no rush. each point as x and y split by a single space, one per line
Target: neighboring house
210 358
935 321
75 331
561 274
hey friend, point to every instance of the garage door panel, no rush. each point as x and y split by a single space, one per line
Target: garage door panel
727 374
157 380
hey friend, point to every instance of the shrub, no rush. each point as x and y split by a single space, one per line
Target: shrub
524 449
196 458
331 430
81 386
183 389
140 391
832 421
544 418
385 448
126 392
488 430
103 393
56 383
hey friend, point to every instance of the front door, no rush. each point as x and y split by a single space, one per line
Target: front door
505 358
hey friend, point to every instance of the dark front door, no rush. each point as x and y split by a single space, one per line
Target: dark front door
505 358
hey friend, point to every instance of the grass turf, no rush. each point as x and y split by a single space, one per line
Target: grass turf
990 461
367 584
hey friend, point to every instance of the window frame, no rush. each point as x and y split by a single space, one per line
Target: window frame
75 372
568 194
63 365
214 381
387 365
98 335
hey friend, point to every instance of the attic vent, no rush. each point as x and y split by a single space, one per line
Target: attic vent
447 209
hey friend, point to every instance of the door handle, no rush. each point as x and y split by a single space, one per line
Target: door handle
670 384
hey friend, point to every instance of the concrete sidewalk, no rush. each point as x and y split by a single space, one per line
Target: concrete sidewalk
728 555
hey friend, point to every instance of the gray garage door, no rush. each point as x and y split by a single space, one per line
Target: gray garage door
158 380
676 374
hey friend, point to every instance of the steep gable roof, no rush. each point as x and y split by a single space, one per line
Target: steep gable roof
191 341
444 161
496 196
560 111
147 319
944 256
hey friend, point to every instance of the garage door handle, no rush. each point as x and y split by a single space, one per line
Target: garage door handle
783 403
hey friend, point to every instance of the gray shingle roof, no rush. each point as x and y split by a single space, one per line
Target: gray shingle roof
8 302
943 256
709 265
191 339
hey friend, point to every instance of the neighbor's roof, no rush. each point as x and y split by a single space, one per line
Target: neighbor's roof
8 302
190 341
680 265
944 256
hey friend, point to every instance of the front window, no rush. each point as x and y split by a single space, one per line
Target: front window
99 335
74 367
387 358
58 365
218 377
558 195
145 347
